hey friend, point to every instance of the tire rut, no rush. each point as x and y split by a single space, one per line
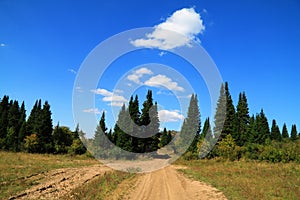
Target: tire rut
57 183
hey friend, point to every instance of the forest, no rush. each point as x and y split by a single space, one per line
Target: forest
236 134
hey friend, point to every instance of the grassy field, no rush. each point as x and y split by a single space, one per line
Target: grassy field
248 180
237 180
14 167
100 188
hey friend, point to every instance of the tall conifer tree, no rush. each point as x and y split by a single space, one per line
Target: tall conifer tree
275 132
243 119
294 132
285 133
220 114
230 119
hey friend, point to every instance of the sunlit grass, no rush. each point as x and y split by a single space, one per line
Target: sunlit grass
15 167
101 187
248 180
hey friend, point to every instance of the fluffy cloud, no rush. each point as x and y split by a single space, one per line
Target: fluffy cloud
2 45
170 116
163 81
72 71
137 74
114 98
180 29
102 92
92 110
108 96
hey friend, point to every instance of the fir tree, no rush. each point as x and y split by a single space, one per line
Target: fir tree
22 125
230 119
100 134
294 132
220 114
252 131
275 132
4 107
134 112
262 128
191 127
149 125
285 133
164 139
13 126
205 129
123 140
243 118
62 139
76 132
45 129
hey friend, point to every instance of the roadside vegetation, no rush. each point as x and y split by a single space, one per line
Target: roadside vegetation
102 187
15 168
247 179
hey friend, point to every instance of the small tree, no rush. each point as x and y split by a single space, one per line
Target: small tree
275 132
31 143
285 133
294 132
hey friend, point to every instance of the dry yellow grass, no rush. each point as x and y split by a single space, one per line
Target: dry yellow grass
16 167
248 180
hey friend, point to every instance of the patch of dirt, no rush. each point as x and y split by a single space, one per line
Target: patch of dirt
166 183
58 183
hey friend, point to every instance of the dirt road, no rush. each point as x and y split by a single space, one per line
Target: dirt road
58 183
164 184
169 184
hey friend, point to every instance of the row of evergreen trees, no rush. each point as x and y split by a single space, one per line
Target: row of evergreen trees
235 131
135 131
237 134
35 134
243 128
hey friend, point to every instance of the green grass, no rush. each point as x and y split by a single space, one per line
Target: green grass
14 167
101 187
248 180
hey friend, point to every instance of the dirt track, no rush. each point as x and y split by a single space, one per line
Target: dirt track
58 183
166 183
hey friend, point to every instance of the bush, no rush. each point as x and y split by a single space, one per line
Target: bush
77 147
190 156
31 143
252 151
228 149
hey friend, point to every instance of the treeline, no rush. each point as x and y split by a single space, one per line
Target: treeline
237 135
135 130
245 136
35 134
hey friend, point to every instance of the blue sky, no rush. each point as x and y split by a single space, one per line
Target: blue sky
255 45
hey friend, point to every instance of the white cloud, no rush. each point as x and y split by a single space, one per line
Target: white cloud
137 74
180 29
162 53
185 97
135 78
108 96
117 104
118 91
163 81
72 71
102 92
92 110
2 45
170 116
114 98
